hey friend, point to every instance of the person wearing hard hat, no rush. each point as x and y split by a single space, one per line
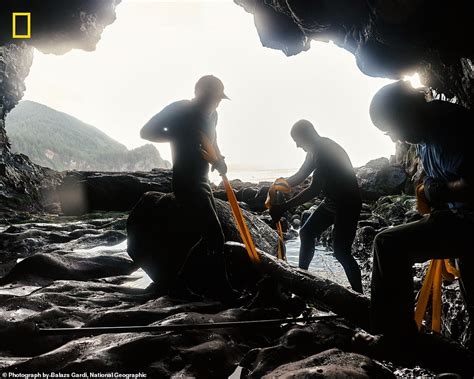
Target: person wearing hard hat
442 133
183 124
334 177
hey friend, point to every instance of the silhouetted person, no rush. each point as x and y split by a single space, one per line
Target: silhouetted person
442 132
334 176
183 124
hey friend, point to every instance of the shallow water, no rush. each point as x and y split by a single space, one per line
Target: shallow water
323 264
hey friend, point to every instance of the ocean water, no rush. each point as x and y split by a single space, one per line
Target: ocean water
253 176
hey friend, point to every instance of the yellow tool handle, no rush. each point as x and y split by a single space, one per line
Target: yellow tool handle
241 225
210 154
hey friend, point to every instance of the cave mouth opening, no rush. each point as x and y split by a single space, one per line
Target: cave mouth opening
117 90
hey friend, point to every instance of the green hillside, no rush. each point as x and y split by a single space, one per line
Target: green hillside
62 142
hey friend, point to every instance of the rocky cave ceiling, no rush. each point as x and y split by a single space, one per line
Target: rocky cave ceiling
389 38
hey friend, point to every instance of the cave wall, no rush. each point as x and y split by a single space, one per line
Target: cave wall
15 62
57 26
389 38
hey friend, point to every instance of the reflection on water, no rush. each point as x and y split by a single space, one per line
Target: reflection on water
142 280
323 264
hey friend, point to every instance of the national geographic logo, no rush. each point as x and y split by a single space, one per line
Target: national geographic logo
21 25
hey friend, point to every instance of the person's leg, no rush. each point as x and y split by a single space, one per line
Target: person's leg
439 235
345 227
317 223
200 207
214 282
212 230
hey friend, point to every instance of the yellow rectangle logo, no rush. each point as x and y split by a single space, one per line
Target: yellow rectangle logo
28 24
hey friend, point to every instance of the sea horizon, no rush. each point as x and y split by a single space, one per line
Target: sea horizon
253 175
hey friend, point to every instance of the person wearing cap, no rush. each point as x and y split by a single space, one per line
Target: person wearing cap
334 177
183 124
442 133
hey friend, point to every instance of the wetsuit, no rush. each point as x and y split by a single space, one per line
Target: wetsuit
334 177
183 122
447 232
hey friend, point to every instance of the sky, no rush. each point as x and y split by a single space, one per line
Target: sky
154 53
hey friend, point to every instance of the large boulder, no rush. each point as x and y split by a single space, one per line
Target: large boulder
160 235
379 178
253 195
332 363
83 191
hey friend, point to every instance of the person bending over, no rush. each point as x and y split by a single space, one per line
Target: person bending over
334 177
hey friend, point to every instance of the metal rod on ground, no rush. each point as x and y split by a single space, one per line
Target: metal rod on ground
88 331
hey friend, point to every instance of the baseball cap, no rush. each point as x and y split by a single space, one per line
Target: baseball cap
210 85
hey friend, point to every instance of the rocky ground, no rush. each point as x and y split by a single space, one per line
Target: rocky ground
75 271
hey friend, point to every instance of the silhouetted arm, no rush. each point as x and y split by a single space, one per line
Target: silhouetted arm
306 195
216 147
304 171
220 165
460 190
158 128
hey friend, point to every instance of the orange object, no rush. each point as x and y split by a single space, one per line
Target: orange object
438 269
239 218
422 205
210 154
283 186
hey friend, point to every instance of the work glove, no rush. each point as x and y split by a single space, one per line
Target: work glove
435 190
276 211
220 166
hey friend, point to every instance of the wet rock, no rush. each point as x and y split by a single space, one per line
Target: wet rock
296 223
330 364
47 235
363 242
362 251
192 353
254 196
395 209
72 266
82 191
378 178
296 344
